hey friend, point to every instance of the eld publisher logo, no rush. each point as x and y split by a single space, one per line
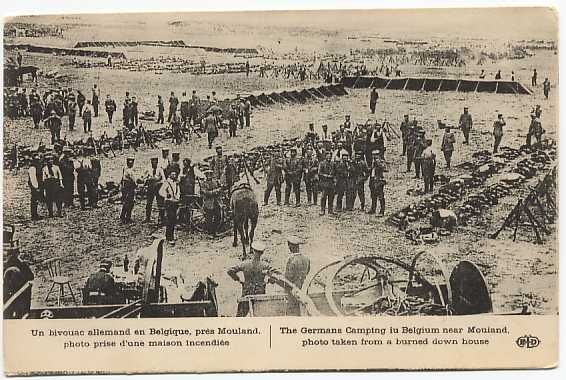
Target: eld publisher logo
528 341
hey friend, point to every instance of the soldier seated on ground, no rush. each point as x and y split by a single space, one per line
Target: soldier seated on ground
100 288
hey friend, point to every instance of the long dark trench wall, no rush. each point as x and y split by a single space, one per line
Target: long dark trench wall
436 84
297 96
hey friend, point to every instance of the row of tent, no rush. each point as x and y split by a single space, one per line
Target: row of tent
174 43
297 96
65 51
436 84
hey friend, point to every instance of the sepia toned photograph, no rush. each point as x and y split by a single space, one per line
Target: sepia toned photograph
332 163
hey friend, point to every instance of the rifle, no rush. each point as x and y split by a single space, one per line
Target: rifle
93 144
246 169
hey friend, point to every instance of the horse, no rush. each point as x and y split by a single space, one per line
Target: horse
245 212
27 70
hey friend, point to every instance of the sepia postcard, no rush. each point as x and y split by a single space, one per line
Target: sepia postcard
280 191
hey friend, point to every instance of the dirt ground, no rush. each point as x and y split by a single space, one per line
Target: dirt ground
514 271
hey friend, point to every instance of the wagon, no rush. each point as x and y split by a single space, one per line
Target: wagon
376 285
195 216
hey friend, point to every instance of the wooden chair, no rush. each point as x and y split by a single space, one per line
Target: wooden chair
54 268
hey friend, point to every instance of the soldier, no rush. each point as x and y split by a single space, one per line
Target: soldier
311 137
85 183
293 173
465 124
274 177
164 160
242 112
325 136
347 122
377 183
428 163
211 190
110 107
100 287
498 132
80 102
135 112
248 112
342 175
326 175
184 108
232 120
176 129
35 183
404 132
52 182
344 136
171 194
339 152
36 109
535 129
87 117
95 99
255 272
361 139
310 170
218 166
67 167
174 164
160 110
173 103
72 112
154 177
377 139
193 107
448 141
126 112
211 128
360 172
546 88
419 146
373 96
128 185
296 271
17 272
53 122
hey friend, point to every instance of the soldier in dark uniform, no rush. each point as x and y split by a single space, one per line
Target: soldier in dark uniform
296 271
411 138
85 183
360 139
100 287
193 107
53 183
154 178
377 183
255 272
311 136
174 164
36 109
373 96
160 110
447 146
465 124
80 102
310 170
184 109
360 172
232 120
342 170
274 177
419 147
173 103
218 166
53 122
67 167
110 107
72 112
187 182
293 173
404 132
428 163
211 190
129 185
326 176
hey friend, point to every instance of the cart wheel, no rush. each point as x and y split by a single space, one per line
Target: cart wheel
197 219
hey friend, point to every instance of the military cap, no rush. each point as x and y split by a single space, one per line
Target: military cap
173 171
429 141
165 150
48 156
207 172
176 154
293 240
130 158
347 115
258 246
53 112
358 153
154 159
311 124
375 152
219 148
324 125
293 149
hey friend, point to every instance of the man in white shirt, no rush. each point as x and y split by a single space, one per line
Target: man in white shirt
154 177
129 185
171 193
164 161
35 185
428 166
53 183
